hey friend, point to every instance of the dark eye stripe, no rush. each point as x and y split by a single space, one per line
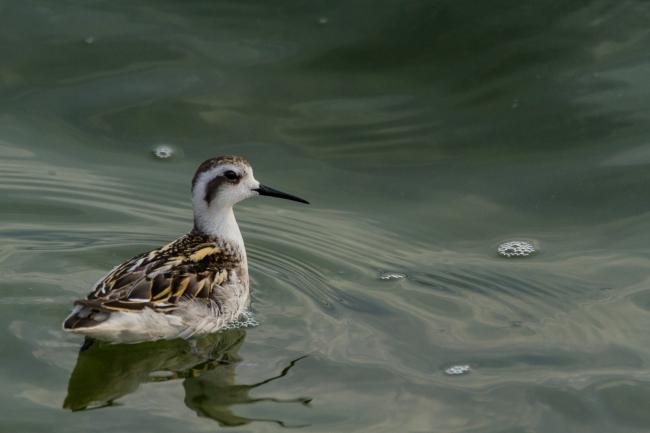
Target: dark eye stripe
212 187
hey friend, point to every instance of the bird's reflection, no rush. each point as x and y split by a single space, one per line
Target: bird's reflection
105 372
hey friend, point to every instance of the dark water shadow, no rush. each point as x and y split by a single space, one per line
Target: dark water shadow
105 372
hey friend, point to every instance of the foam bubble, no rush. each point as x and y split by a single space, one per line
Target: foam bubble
245 320
516 249
388 276
163 151
456 370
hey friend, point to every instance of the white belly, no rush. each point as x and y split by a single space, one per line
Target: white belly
192 318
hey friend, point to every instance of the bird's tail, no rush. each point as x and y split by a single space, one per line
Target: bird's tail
84 316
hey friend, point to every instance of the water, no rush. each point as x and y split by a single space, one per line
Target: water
424 134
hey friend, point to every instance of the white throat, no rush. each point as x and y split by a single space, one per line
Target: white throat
219 222
213 213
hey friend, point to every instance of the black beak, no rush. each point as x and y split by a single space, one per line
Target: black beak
265 190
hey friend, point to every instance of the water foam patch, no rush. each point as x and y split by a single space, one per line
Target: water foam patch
457 370
163 151
388 276
245 320
516 249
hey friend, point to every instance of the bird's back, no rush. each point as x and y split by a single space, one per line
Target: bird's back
168 290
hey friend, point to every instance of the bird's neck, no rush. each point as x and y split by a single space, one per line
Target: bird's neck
219 223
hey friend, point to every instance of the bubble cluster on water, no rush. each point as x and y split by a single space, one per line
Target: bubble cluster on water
388 276
516 249
163 151
89 40
245 320
161 375
456 370
323 20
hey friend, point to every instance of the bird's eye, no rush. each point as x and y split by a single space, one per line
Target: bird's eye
231 175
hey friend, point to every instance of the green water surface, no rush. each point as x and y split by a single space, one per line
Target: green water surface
424 133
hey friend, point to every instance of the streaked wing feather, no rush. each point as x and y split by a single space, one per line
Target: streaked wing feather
162 278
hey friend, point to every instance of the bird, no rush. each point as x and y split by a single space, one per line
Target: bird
194 285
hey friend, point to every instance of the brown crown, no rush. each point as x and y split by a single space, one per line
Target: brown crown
219 160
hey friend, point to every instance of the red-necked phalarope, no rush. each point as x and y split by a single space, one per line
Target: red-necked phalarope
193 285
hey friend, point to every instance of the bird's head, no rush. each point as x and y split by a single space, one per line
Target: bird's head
221 182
